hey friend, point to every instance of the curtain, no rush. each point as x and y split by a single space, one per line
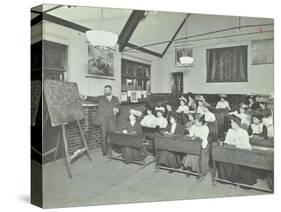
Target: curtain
227 64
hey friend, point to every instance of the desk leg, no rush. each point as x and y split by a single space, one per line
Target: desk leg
67 156
214 172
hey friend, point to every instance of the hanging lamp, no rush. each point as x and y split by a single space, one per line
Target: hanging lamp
101 38
186 60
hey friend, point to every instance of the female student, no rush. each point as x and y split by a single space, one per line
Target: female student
265 112
169 110
199 130
239 138
190 122
209 116
160 121
191 102
167 158
223 104
257 128
132 127
245 118
253 105
183 108
267 119
200 104
149 118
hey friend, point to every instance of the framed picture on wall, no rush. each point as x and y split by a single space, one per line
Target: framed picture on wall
183 51
262 52
100 62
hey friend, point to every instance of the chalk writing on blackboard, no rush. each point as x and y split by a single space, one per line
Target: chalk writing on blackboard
63 102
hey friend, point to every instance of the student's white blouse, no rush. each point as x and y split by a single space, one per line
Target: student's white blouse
201 132
183 108
209 117
148 121
223 105
238 137
161 122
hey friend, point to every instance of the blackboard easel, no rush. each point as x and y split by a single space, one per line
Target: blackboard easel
64 106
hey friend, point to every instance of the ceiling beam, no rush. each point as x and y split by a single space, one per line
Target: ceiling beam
36 20
133 46
53 8
129 28
65 23
175 35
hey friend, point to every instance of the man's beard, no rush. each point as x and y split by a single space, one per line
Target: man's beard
107 94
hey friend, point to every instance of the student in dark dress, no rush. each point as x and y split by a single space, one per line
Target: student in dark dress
167 158
257 128
169 110
239 138
191 102
265 112
253 105
132 127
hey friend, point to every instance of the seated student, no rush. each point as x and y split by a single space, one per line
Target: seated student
253 105
132 127
223 104
167 158
169 110
200 104
183 108
265 112
267 119
198 130
190 122
257 128
149 118
209 116
160 121
191 103
239 138
245 118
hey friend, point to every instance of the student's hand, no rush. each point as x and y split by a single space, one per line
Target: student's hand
125 131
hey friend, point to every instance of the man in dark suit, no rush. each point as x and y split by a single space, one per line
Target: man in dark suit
108 109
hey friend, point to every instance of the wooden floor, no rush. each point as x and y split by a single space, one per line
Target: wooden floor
101 181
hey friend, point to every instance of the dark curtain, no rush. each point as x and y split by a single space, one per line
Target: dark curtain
227 64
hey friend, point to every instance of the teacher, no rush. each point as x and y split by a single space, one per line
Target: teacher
108 108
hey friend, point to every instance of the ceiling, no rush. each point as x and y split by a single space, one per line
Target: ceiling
154 27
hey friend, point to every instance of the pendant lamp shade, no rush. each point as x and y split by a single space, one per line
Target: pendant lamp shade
186 60
102 38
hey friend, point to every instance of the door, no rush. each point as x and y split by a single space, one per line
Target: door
177 83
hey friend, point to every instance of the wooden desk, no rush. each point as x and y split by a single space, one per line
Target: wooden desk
178 144
149 136
127 140
249 158
269 142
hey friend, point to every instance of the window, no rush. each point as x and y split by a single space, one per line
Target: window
135 76
227 64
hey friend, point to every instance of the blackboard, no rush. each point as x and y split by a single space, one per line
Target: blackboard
35 99
63 102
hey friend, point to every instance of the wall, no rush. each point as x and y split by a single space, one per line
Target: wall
260 77
78 59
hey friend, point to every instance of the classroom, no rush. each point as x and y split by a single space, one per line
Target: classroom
137 106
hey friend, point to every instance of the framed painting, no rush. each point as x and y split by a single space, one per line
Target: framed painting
183 51
262 51
100 62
